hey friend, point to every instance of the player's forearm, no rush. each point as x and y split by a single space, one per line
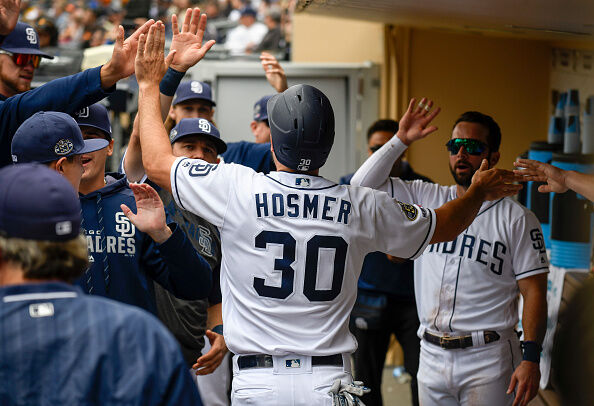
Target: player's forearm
376 169
580 183
214 316
534 313
133 166
156 148
109 76
165 105
457 215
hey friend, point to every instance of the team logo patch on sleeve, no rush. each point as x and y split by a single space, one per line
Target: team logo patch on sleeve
202 169
409 210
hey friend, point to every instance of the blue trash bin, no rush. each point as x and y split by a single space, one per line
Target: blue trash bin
571 220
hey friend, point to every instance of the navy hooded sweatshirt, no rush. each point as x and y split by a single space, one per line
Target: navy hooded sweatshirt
121 261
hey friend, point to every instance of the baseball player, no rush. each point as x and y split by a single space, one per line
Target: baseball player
19 57
293 242
467 289
59 345
125 249
68 94
197 325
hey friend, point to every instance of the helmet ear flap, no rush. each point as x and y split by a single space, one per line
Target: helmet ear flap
301 127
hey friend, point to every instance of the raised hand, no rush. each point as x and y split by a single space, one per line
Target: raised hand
275 74
414 124
9 14
151 64
495 183
121 64
150 214
188 42
541 172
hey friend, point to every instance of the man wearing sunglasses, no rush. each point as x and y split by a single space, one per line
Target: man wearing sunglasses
68 94
19 57
467 289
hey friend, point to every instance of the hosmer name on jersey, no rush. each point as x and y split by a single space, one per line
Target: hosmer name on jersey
306 206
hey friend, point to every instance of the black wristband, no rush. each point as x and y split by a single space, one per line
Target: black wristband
170 81
217 329
532 351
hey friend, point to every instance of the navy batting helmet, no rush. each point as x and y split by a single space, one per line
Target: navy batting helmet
301 127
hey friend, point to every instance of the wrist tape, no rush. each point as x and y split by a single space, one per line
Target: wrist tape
170 81
531 351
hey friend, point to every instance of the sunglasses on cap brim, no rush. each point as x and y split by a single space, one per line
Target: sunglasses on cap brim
472 147
23 59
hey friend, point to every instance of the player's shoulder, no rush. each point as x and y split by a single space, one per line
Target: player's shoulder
510 210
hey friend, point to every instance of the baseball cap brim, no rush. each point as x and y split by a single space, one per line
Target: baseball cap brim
82 124
219 143
27 51
93 145
193 97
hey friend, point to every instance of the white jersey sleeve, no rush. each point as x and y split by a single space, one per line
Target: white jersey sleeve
375 171
401 229
528 248
204 188
425 194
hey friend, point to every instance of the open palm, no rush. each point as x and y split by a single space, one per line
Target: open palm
414 125
188 42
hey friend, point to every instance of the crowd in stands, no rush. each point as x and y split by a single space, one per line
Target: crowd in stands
240 27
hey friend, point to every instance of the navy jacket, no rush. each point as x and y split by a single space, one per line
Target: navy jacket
256 156
121 262
380 274
68 95
59 346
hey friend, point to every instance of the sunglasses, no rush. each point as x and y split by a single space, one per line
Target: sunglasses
472 147
375 148
23 59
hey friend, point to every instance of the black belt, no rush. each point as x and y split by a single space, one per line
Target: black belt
265 361
451 343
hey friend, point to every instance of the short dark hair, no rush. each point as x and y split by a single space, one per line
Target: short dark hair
385 124
494 137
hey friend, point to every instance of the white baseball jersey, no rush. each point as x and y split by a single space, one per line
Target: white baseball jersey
470 284
293 246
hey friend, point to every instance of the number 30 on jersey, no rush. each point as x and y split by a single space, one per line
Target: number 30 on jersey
312 253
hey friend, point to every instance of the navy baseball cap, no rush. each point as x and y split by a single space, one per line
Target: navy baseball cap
23 40
193 90
198 126
248 11
260 109
50 135
38 204
95 116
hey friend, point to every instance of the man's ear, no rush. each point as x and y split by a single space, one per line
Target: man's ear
58 165
493 159
218 160
110 148
172 114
